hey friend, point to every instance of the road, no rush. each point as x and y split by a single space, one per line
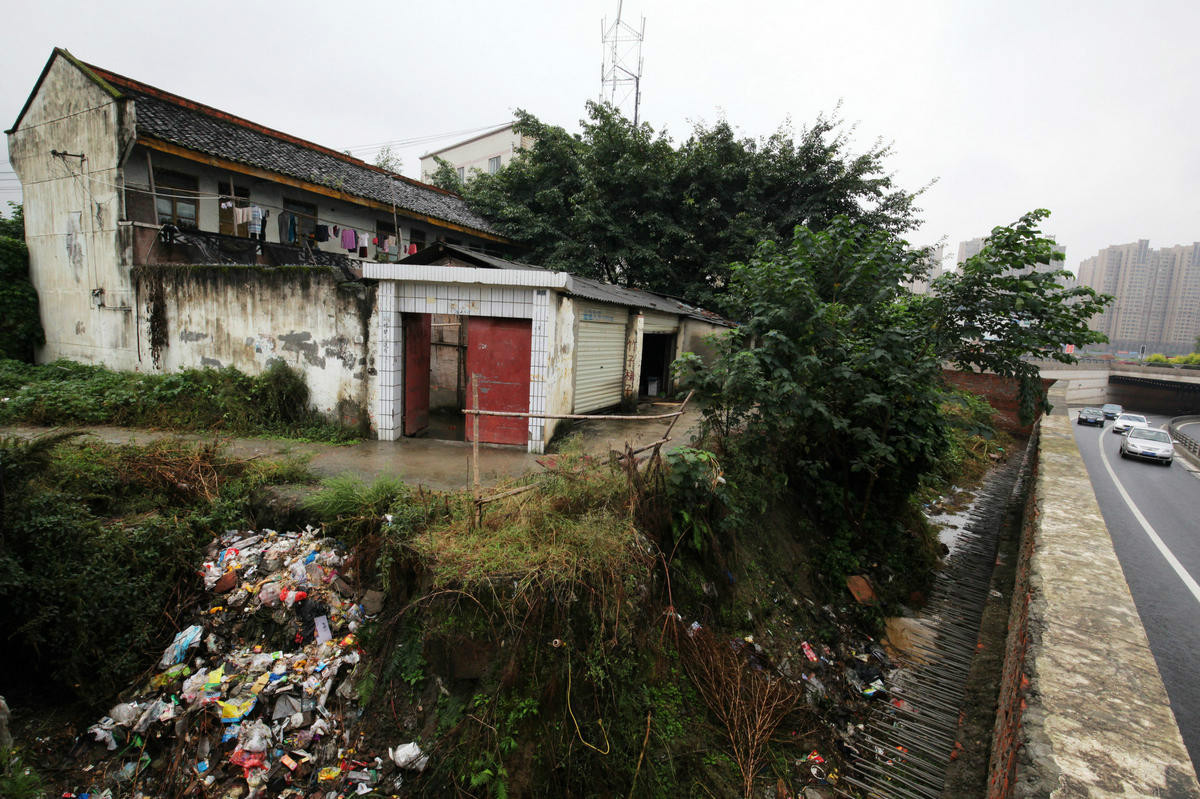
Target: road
1153 516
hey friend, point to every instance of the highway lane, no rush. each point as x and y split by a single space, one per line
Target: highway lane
1153 517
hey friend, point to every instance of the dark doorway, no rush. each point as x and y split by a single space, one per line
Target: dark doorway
416 372
658 350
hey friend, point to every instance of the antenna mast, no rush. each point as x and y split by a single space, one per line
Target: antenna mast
621 69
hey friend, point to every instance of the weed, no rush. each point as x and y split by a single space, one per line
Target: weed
18 780
64 392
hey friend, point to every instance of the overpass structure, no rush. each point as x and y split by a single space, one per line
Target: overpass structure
1169 389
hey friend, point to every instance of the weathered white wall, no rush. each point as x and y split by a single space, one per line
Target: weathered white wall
71 213
474 154
246 316
560 379
692 337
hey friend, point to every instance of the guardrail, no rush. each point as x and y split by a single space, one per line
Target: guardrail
1185 441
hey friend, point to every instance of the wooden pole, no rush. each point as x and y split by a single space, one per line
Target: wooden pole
475 432
667 435
609 417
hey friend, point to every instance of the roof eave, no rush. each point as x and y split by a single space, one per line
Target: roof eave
183 151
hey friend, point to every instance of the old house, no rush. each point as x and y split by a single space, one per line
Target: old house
165 234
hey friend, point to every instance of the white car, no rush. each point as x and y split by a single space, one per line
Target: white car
1128 420
1149 443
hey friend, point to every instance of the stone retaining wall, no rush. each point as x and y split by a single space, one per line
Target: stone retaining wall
1083 711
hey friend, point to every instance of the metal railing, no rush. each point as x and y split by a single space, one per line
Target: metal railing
1189 444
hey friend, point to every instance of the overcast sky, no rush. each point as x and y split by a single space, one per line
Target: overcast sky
1090 109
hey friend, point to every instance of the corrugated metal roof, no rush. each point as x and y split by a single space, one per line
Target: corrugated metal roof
584 287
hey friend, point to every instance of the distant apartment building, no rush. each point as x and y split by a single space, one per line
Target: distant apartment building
487 152
973 247
967 249
1157 293
936 270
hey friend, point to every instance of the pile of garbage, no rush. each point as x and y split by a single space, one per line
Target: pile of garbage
256 698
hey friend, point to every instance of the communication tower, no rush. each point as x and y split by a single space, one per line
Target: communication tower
621 69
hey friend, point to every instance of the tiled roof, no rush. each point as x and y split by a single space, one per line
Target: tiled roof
197 127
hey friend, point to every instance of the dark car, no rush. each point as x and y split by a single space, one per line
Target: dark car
1112 411
1093 416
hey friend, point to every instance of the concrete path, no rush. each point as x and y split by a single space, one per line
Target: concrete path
436 464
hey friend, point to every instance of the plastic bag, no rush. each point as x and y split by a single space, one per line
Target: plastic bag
178 649
125 714
409 756
255 737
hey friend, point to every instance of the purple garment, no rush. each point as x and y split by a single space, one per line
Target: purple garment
349 239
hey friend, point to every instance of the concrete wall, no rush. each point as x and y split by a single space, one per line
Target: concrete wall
560 381
1083 711
71 213
246 316
1073 387
447 384
696 336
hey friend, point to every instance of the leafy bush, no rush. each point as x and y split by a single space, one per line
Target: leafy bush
826 396
227 400
18 780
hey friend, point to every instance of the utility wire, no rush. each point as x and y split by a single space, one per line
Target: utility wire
424 139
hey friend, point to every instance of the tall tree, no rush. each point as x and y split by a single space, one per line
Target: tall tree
621 202
20 323
830 387
1001 308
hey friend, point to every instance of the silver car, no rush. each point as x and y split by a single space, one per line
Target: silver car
1128 420
1149 443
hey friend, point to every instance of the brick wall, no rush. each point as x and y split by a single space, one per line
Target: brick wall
1001 392
1006 738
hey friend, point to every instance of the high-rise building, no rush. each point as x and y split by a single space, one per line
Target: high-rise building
936 269
1157 293
972 247
966 249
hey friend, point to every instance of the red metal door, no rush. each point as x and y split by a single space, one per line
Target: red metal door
417 329
498 351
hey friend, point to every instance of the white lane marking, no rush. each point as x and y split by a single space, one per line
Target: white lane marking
1137 514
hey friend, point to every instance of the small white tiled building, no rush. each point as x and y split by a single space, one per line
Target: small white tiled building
535 341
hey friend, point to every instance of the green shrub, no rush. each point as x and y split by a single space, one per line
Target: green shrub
220 400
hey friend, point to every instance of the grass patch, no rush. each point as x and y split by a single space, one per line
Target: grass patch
273 403
576 523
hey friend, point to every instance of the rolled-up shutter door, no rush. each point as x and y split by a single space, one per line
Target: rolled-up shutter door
655 322
599 356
